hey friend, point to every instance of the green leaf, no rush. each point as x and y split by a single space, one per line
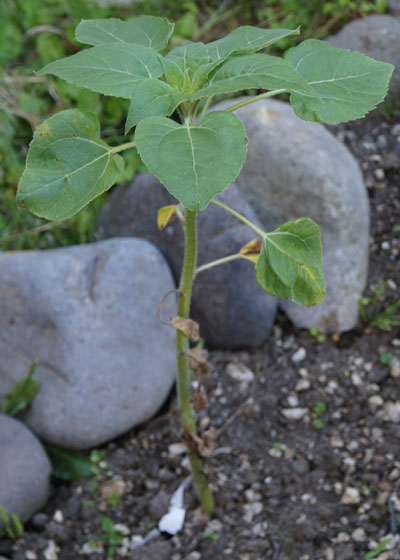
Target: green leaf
152 98
114 69
21 395
149 31
246 39
68 165
349 84
290 263
254 71
68 465
186 67
194 161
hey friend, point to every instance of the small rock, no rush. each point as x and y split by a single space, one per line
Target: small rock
195 555
392 411
395 368
227 302
23 490
293 400
299 355
351 496
251 510
240 372
88 316
294 413
51 552
375 401
359 535
39 520
303 385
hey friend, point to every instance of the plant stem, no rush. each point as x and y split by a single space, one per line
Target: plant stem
254 99
218 262
260 232
182 361
123 147
206 106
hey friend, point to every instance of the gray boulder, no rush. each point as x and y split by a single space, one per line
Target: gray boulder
227 302
25 470
393 7
88 315
377 37
296 168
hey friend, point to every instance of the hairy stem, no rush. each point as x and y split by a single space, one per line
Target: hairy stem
254 99
260 232
182 360
217 262
123 147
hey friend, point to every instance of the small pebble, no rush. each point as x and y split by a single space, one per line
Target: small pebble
240 372
294 413
299 355
351 496
303 385
395 368
359 535
392 412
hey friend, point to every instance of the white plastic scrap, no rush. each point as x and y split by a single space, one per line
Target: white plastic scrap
172 522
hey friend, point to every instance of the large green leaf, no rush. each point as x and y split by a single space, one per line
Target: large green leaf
194 161
290 262
186 67
149 31
114 69
254 71
349 84
246 39
152 98
68 165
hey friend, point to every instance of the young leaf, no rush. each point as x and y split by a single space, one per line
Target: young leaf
246 39
152 98
149 31
68 165
68 465
290 263
186 67
21 395
348 83
115 69
194 161
254 71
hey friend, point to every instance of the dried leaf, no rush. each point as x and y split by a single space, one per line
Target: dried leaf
187 326
199 400
251 250
166 215
198 361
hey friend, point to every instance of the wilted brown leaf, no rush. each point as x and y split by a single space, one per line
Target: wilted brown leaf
198 360
188 327
251 250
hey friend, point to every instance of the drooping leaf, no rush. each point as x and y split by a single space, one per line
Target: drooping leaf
21 395
349 84
246 39
251 251
254 71
186 67
166 215
188 327
149 31
68 165
115 69
152 98
290 263
194 161
68 465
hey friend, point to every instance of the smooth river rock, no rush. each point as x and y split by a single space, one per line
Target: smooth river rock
229 305
296 168
25 470
88 315
376 36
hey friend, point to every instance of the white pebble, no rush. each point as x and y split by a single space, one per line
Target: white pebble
58 516
294 413
392 412
293 400
359 535
240 372
299 355
302 385
356 379
351 495
395 368
375 401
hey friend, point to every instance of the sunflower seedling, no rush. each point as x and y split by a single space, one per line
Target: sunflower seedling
196 154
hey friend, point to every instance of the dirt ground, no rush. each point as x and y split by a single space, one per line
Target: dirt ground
306 429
